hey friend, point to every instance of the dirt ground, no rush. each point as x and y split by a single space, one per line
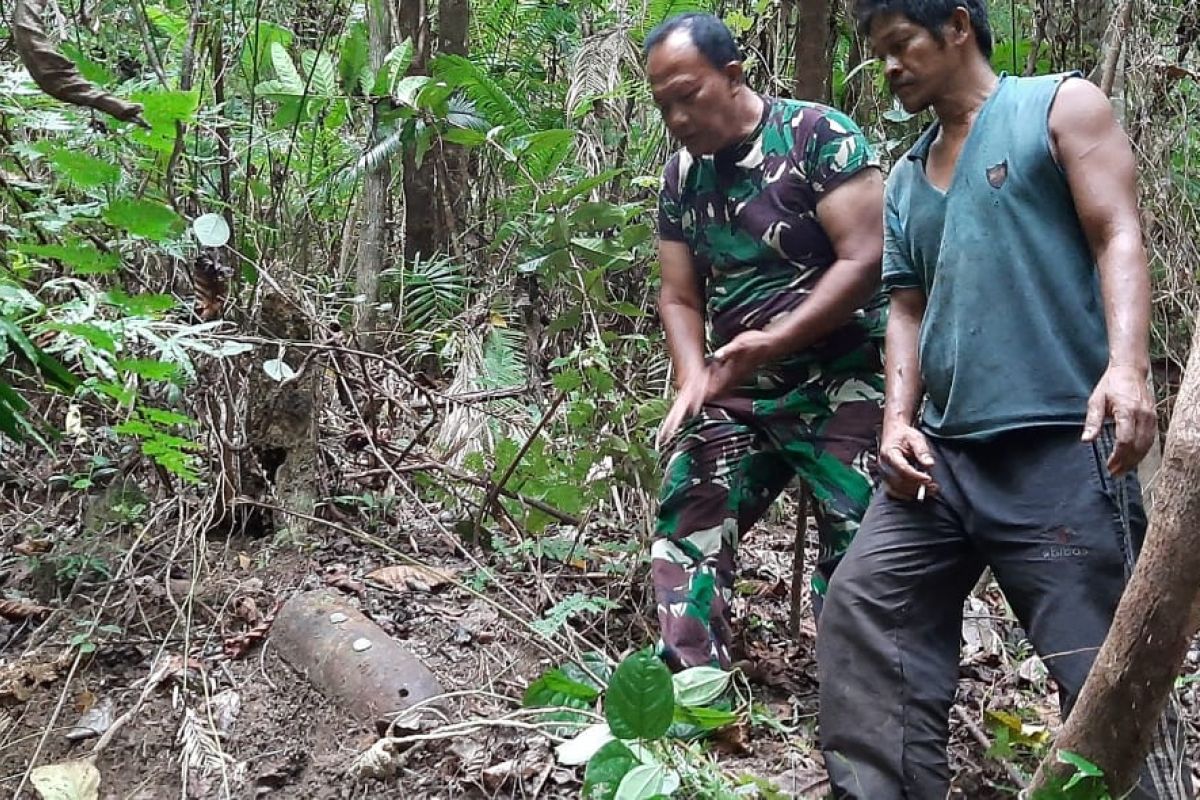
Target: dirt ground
234 720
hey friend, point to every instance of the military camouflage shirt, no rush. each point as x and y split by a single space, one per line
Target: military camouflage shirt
748 215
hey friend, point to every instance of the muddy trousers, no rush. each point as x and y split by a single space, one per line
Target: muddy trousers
726 467
1060 534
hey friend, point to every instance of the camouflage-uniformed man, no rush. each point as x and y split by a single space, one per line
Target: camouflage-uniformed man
770 229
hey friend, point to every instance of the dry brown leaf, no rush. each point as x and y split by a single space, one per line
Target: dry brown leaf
19 681
238 645
70 780
245 608
210 280
32 547
403 577
21 609
343 581
175 667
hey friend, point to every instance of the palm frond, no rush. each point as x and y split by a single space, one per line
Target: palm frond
433 292
596 67
503 363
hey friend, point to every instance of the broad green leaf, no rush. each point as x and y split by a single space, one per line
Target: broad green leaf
285 70
1081 764
354 58
84 258
646 781
278 370
166 20
580 750
606 770
708 719
597 216
256 50
699 686
160 416
321 73
94 336
160 106
146 218
82 169
568 380
640 701
163 109
555 688
211 230
406 89
150 370
467 137
18 337
394 65
140 305
95 72
1020 732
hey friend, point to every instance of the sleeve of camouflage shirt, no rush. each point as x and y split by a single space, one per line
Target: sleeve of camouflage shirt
836 151
898 270
670 205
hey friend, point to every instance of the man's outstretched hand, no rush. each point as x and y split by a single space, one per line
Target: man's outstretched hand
730 365
1123 396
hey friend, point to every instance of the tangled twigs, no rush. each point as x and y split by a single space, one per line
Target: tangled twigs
55 74
239 644
494 491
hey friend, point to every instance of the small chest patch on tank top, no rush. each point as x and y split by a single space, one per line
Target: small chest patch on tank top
997 174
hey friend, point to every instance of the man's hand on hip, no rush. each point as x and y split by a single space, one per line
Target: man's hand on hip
1123 396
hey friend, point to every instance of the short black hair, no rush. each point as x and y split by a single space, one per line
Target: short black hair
707 32
930 15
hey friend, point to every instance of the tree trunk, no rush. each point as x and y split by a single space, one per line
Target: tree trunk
454 20
372 240
420 201
816 35
1128 687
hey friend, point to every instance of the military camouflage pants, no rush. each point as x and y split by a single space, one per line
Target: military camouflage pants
727 465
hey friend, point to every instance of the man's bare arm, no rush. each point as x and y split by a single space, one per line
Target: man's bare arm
1095 155
904 453
682 310
852 216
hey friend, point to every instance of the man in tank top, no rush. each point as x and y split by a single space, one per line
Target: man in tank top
1017 406
770 237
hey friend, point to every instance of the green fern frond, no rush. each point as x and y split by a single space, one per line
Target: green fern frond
542 152
571 606
491 100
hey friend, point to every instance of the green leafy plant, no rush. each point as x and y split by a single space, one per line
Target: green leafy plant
1084 781
640 751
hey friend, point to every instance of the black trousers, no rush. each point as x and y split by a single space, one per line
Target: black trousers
1060 534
